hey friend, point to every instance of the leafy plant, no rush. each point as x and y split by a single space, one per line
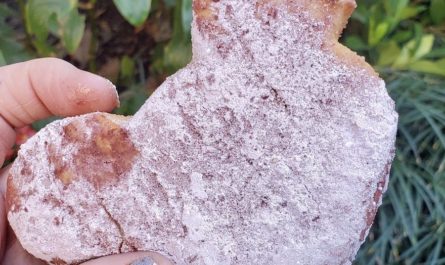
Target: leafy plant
400 34
57 17
410 225
135 11
178 51
52 22
437 11
11 48
404 40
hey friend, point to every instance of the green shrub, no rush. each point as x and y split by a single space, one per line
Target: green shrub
66 28
404 40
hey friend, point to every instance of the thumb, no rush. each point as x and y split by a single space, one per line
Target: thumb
3 234
136 258
2 227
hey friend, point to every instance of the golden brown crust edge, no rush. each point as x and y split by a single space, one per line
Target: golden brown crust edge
106 123
334 13
320 10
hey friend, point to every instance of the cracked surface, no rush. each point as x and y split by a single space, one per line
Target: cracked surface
61 216
118 226
273 146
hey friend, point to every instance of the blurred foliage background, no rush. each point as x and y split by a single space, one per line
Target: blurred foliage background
137 43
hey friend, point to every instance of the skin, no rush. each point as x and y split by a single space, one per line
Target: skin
34 90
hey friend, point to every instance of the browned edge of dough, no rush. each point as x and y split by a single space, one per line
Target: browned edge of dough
334 13
106 123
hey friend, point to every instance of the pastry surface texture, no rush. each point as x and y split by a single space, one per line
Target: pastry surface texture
273 146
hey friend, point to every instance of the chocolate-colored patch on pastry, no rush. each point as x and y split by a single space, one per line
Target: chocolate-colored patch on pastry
373 206
14 197
206 18
102 158
270 147
73 131
13 201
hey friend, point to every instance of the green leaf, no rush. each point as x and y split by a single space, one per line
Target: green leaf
388 53
72 31
59 17
395 7
404 57
53 24
411 11
437 11
134 11
414 50
39 12
178 52
13 52
2 59
170 3
437 53
355 43
127 67
431 67
12 49
176 55
377 32
425 46
394 11
402 36
186 14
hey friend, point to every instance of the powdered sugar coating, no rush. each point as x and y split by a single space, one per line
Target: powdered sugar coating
51 220
266 149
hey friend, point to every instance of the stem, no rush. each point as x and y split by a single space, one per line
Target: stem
28 38
92 66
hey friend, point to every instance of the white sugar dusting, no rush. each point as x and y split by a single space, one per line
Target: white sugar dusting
265 149
54 222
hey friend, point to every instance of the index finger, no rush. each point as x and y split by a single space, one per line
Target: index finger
36 89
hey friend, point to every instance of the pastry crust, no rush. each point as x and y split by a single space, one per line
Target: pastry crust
273 146
333 14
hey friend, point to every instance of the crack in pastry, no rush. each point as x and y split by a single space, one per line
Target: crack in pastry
273 146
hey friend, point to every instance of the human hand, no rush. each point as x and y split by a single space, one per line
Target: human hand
34 90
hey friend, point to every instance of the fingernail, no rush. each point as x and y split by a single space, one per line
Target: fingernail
144 261
113 87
